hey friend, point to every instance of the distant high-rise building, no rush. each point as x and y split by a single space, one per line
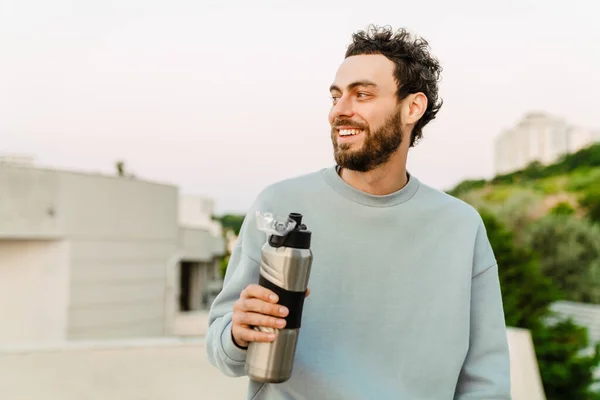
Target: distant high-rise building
538 137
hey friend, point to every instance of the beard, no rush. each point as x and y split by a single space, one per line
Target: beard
377 146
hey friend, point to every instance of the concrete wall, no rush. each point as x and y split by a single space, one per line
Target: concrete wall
28 203
118 289
148 370
200 245
97 206
166 370
34 291
197 212
123 235
525 374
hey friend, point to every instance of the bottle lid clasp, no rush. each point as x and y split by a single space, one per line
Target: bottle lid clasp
273 224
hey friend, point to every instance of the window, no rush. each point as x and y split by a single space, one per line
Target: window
192 279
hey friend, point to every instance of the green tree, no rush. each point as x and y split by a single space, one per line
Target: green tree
516 211
591 201
569 253
526 292
566 373
223 264
562 208
587 157
467 186
231 222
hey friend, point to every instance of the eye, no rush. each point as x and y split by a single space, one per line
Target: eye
362 95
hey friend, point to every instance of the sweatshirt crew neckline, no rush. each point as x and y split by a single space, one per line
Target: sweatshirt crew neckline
333 178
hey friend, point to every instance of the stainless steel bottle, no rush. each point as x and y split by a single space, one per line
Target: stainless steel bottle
286 261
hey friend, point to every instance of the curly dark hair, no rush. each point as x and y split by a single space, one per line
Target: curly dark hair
416 70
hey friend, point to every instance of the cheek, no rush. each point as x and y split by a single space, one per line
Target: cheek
368 120
369 114
377 118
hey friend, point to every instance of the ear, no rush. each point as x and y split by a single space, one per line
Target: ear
413 108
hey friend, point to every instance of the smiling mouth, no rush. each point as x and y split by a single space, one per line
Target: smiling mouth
349 132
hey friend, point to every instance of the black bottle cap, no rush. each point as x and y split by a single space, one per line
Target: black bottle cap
298 238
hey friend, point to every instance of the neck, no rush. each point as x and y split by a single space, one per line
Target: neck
382 180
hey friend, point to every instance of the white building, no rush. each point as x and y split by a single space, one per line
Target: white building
538 137
86 256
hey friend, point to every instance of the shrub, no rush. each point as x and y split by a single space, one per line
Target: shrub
566 373
562 208
591 201
569 254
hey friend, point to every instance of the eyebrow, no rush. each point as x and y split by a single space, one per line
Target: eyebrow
353 85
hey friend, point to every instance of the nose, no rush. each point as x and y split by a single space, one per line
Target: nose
342 108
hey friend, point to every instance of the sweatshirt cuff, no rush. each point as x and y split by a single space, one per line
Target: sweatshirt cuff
231 350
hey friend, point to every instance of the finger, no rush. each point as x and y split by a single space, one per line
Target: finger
236 338
263 307
255 319
307 292
251 335
260 292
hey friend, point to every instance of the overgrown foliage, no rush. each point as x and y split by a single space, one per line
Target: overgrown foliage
577 172
569 253
588 157
527 293
591 201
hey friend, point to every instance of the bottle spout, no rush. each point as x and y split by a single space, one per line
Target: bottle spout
297 218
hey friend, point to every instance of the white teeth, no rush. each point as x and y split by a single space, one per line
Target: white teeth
349 132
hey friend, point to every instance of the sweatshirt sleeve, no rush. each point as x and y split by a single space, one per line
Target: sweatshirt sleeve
486 370
221 350
242 270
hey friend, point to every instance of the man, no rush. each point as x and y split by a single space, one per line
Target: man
404 301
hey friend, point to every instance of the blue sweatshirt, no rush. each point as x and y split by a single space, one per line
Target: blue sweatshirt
405 298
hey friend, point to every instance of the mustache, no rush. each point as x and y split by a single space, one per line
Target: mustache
347 122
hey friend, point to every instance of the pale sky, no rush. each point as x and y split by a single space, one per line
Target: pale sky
224 98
